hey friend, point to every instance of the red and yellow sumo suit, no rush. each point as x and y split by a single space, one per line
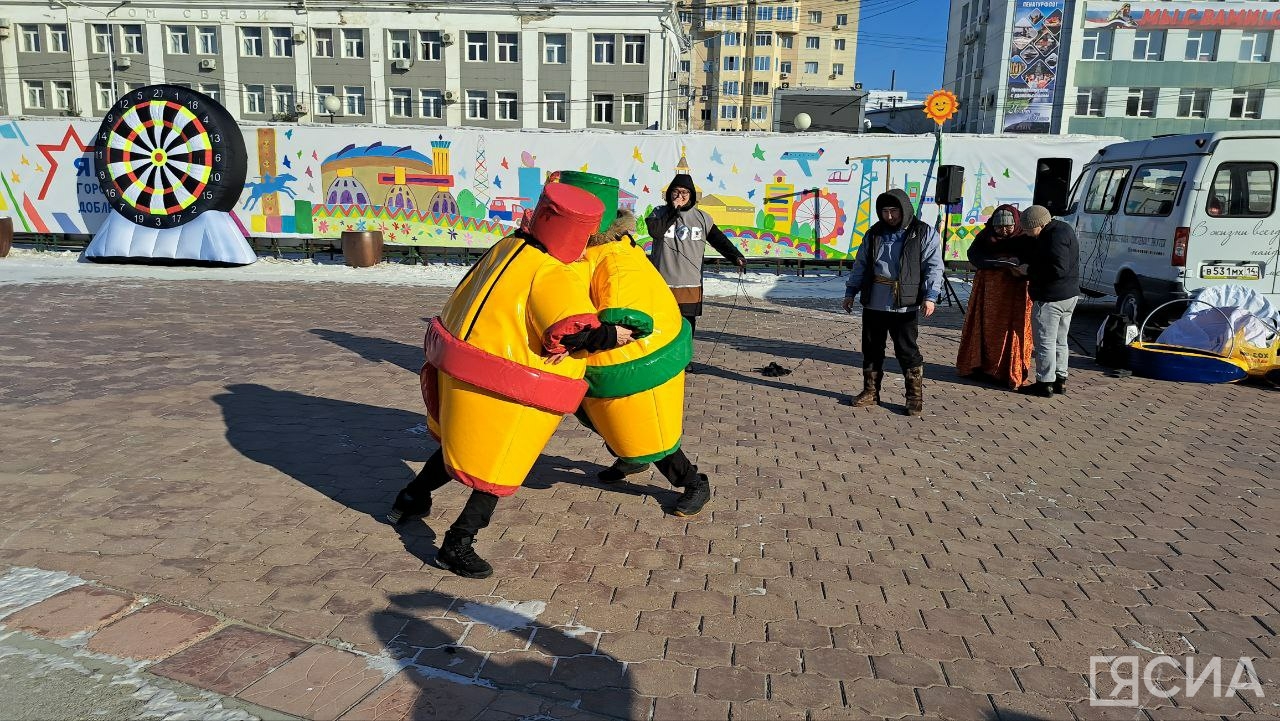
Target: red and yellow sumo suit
493 398
636 396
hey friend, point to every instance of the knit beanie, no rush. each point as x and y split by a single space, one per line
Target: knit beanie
1036 216
1002 217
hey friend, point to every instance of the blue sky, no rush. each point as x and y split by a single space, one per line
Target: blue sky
910 37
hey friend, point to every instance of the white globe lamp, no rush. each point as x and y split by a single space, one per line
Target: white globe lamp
802 121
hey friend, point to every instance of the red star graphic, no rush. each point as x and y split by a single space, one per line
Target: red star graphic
47 151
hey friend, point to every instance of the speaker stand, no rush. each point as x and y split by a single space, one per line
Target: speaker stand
948 292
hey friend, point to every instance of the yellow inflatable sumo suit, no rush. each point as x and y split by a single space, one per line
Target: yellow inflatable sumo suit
635 399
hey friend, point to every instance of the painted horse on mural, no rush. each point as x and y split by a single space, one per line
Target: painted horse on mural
268 185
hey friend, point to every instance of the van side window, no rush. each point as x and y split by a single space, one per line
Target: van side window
1154 189
1242 190
1104 190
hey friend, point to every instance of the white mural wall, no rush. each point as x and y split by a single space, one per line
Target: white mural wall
776 195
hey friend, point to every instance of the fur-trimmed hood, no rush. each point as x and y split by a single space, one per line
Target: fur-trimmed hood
624 225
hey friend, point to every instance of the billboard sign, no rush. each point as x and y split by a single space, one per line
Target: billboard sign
1032 72
1179 16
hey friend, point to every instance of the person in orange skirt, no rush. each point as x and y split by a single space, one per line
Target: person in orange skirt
996 342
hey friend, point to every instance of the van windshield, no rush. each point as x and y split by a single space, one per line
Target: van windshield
1242 190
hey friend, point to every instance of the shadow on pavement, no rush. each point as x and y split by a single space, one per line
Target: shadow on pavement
377 350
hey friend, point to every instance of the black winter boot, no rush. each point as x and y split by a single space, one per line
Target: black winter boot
1060 386
696 494
457 555
914 378
407 507
620 470
870 395
1044 390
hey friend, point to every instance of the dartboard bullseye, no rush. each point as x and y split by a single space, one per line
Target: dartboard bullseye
166 154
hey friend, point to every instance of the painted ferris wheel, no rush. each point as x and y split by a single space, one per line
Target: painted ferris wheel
822 212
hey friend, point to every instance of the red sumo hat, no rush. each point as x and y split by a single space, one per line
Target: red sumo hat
564 219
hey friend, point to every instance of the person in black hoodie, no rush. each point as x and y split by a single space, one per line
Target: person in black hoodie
1053 274
680 231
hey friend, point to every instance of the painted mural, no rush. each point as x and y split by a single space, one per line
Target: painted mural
778 196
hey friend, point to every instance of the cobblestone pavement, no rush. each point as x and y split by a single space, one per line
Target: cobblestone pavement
211 457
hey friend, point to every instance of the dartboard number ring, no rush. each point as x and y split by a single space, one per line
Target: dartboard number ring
166 154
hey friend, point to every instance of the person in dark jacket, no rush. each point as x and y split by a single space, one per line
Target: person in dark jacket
1053 275
897 271
680 230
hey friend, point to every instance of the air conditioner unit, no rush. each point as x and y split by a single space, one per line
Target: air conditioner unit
832 76
5 25
300 37
786 85
446 38
122 62
300 109
209 64
783 76
450 96
977 74
400 64
984 17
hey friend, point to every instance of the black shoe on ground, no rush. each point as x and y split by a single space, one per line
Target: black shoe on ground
457 555
1043 390
1060 386
406 508
620 470
696 494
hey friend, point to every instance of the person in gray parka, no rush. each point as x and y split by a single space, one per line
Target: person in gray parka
680 230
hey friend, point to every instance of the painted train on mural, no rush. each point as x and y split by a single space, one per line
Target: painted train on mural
777 195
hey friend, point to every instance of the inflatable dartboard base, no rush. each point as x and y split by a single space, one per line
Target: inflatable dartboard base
212 239
171 163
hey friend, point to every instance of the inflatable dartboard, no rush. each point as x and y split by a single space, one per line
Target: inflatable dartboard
166 155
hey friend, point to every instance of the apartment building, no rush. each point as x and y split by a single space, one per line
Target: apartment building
608 64
1133 69
743 51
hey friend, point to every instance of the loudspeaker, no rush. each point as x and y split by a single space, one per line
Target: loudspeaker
1053 184
950 185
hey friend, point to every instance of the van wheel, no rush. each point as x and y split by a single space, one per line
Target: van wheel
1129 302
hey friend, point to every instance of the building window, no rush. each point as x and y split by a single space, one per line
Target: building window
398 46
281 43
842 19
1141 103
811 68
102 95
355 99
812 42
102 40
602 49
213 90
58 39
132 36
208 39
602 109
787 13
1193 103
508 105
731 87
759 112
282 99
837 68
815 17
763 39
322 92
429 42
353 45
1202 45
30 35
633 49
179 40
255 101
633 110
477 105
784 67
759 88
63 99
322 42
764 13
731 62
840 44
251 42
728 112
1091 102
734 13
432 102
555 49
553 107
708 66
685 16
477 47
1246 103
33 94
762 62
1095 45
1148 45
786 42
728 39
508 45
1255 46
684 66
401 101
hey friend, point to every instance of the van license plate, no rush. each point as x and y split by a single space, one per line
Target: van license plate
1231 272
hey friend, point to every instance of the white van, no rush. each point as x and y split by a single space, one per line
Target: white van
1160 219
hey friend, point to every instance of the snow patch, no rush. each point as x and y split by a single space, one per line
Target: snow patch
22 587
504 615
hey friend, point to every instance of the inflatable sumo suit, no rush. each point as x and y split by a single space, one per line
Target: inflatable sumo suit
493 398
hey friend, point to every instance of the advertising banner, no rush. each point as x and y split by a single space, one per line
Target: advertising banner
1179 16
792 195
1032 75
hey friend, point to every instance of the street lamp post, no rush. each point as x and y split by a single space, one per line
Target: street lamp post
333 105
111 38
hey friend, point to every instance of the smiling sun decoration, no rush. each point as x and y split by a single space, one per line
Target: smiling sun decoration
941 105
